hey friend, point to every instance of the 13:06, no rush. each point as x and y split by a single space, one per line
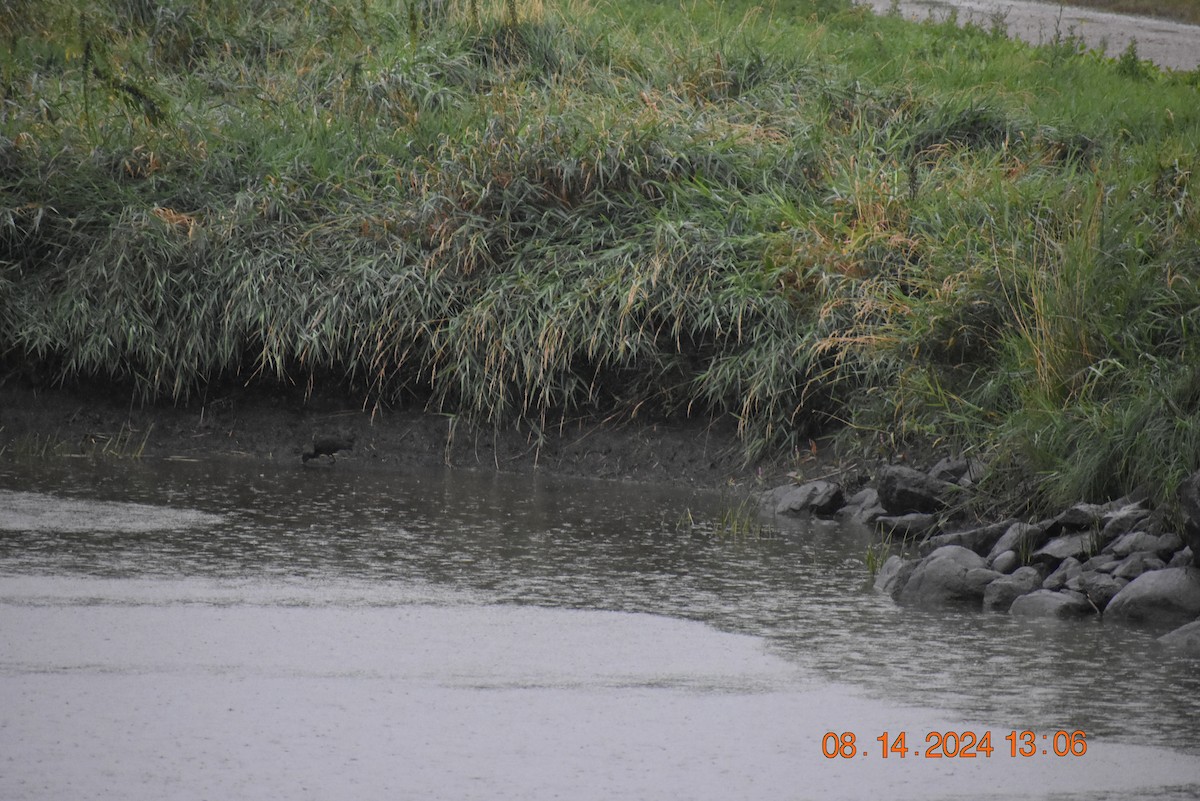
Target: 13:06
1064 743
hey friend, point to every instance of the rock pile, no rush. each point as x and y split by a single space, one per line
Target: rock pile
1117 559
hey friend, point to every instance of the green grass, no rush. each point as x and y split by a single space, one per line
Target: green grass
796 214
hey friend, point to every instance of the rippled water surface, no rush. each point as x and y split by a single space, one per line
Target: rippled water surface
194 630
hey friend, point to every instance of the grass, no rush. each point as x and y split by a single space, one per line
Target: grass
796 214
126 443
876 556
738 520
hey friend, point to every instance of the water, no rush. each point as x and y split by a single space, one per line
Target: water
199 630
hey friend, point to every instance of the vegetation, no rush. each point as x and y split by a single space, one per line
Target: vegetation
126 443
515 211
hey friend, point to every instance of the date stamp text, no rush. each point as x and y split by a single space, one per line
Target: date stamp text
955 745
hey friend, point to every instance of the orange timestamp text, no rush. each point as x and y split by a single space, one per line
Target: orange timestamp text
956 745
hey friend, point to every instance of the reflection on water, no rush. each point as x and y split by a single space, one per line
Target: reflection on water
445 540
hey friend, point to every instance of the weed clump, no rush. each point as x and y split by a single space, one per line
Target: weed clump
794 215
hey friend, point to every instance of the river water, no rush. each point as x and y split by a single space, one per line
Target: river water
216 630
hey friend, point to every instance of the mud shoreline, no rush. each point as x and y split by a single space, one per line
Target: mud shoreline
275 427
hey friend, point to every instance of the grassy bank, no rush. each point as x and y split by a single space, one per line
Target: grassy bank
799 215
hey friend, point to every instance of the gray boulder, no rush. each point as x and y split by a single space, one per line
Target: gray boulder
1022 538
903 490
1067 570
1184 638
980 540
1059 548
1136 564
863 506
960 470
813 497
894 574
912 526
1082 516
1099 588
1162 544
1181 558
769 500
1123 520
950 576
1005 562
1000 594
1168 597
1044 603
1102 562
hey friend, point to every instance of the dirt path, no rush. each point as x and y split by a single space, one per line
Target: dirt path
1168 44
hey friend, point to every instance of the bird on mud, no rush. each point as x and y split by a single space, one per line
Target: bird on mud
328 445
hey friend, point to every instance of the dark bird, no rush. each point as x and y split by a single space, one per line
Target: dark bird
328 445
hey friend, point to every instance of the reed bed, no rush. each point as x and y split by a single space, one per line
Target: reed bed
796 214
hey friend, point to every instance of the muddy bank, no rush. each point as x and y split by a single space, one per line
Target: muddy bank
1172 45
278 426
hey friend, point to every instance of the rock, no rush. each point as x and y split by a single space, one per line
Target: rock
1044 603
1000 594
1069 569
950 469
1123 519
1100 588
1081 516
894 574
1022 538
951 575
1059 548
1181 558
957 470
1006 562
1162 597
863 506
912 526
1120 522
822 498
903 490
980 540
769 500
1188 496
1101 562
1162 545
1184 638
1136 564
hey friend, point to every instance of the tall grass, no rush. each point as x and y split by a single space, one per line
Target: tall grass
788 213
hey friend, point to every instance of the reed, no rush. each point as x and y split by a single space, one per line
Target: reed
795 214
